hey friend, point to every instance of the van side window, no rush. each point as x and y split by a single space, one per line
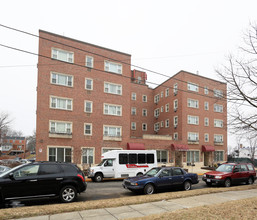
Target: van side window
250 167
132 158
123 158
141 158
150 158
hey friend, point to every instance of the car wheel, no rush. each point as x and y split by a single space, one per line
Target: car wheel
227 183
149 189
68 194
98 177
250 181
187 185
140 174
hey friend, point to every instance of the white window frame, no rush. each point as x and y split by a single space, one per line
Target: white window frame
88 63
218 93
157 126
144 124
193 136
206 90
108 127
156 98
133 126
175 121
55 54
68 80
162 124
91 129
86 154
54 124
161 108
192 103
64 153
167 91
133 96
91 85
218 123
167 107
167 123
218 138
133 111
144 112
144 98
206 106
193 156
156 112
85 106
192 120
117 111
206 137
218 154
54 100
218 108
175 89
108 65
107 88
206 121
162 160
192 87
161 94
175 136
175 104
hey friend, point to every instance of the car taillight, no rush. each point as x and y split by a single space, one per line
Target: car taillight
81 177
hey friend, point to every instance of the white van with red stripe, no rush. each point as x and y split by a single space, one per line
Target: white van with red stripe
123 164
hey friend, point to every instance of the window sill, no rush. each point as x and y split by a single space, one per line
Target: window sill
193 142
108 138
51 135
218 143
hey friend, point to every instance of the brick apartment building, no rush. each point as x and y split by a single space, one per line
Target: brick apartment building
13 145
89 101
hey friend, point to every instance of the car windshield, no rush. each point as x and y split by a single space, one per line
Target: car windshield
100 164
225 168
153 171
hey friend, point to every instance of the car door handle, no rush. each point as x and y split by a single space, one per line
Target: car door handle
59 178
32 180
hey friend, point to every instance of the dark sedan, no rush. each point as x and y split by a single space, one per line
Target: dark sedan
161 178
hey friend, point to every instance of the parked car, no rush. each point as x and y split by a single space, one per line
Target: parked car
231 173
4 169
42 179
161 178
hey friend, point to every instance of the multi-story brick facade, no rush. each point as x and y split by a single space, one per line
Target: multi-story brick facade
89 101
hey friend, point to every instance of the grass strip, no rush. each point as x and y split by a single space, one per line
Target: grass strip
23 212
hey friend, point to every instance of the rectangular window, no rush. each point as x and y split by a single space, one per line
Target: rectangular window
162 156
89 61
156 99
132 158
218 156
192 87
206 90
150 158
113 88
175 105
162 109
193 120
144 127
206 105
133 96
162 124
167 123
59 154
61 79
175 89
161 94
144 112
193 156
87 155
156 113
218 138
167 91
88 84
157 127
144 98
133 126
61 103
192 103
87 129
123 158
175 119
60 127
218 123
218 93
206 137
206 121
167 108
62 55
112 67
192 136
175 136
218 108
88 107
133 111
110 109
112 131
141 158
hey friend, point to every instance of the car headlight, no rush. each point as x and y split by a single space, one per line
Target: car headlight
134 184
218 177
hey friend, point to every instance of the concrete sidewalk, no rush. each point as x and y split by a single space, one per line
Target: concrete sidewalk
145 209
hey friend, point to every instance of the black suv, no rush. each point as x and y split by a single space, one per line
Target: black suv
42 179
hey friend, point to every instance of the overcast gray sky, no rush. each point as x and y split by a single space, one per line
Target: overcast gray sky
164 36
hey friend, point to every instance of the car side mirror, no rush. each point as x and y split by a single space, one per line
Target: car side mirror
11 176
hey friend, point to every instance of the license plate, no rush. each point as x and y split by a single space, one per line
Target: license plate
208 180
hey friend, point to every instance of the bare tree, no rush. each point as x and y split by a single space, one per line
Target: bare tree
5 122
31 146
252 148
240 74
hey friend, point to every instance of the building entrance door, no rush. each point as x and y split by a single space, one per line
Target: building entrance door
178 158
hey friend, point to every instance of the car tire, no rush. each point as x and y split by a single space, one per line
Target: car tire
68 194
250 181
187 185
149 189
227 182
98 177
